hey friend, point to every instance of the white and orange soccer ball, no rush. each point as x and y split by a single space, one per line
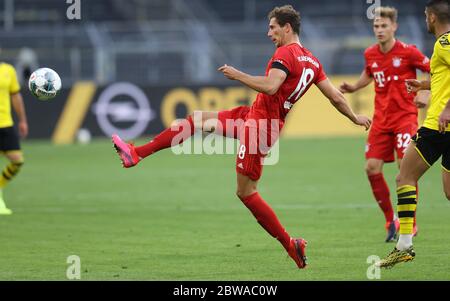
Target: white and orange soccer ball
44 83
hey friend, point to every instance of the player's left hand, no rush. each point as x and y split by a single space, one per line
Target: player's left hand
444 119
229 72
23 129
413 85
363 121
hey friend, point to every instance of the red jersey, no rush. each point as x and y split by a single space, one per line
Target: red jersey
394 106
302 70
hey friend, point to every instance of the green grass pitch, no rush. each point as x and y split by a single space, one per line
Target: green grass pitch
177 217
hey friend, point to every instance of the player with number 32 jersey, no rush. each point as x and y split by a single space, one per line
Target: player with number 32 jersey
388 64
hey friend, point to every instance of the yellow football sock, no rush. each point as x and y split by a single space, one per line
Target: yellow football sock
9 172
406 208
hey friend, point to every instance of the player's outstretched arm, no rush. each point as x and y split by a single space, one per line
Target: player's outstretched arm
338 100
362 82
265 84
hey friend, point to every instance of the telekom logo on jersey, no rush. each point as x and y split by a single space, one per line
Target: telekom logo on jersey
379 78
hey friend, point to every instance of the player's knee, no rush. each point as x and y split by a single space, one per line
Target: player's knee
243 193
372 169
240 194
16 158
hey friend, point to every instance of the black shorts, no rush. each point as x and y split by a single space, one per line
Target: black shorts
9 139
431 145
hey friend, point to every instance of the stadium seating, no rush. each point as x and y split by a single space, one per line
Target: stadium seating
177 37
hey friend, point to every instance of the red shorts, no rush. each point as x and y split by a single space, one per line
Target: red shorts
382 144
255 136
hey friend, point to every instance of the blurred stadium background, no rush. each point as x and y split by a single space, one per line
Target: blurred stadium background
132 67
161 45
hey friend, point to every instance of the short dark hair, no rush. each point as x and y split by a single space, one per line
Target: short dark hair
441 8
286 14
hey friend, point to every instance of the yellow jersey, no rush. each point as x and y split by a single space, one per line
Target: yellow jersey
8 85
440 81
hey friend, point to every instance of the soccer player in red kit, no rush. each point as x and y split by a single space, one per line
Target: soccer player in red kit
289 74
389 63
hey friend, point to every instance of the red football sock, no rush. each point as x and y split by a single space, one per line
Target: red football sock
267 218
381 193
165 139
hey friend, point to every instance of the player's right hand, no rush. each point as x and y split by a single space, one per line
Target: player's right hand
346 88
229 71
23 129
413 85
363 121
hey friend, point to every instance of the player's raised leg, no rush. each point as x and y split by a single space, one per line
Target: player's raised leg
130 155
224 123
412 168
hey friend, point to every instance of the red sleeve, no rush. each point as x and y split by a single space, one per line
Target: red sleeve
283 58
321 76
419 60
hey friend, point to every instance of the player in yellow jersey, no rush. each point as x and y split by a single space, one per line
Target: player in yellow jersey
9 140
433 138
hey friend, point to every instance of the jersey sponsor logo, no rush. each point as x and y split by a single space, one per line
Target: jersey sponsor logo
374 65
379 78
308 59
444 41
396 62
